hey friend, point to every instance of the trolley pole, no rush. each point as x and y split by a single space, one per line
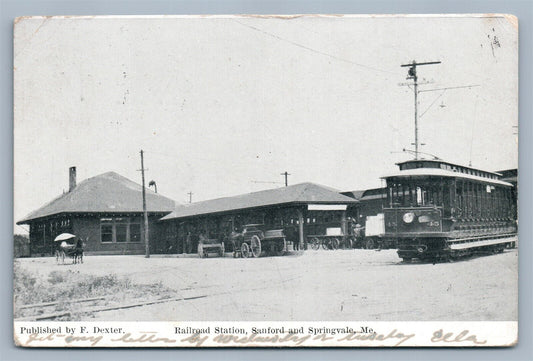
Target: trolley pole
412 75
146 239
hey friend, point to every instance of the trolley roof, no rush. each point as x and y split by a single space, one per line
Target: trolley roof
437 172
439 163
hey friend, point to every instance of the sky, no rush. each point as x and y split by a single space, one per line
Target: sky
222 105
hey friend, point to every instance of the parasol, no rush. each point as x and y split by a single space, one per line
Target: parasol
63 237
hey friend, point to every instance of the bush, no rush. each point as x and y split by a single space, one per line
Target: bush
65 286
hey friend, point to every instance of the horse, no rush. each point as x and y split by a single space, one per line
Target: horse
75 251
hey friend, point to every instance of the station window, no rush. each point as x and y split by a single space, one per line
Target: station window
120 230
106 230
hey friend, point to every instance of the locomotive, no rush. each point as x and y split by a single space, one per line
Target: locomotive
435 210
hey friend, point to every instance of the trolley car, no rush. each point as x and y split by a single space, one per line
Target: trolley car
437 211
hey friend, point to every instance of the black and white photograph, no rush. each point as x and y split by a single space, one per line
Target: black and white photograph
259 181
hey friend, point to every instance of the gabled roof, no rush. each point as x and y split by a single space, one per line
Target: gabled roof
307 193
367 194
354 194
108 192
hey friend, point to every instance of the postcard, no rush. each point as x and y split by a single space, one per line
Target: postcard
266 181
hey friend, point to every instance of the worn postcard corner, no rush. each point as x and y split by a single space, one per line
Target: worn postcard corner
266 181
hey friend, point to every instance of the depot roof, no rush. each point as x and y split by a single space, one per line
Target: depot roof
105 193
303 193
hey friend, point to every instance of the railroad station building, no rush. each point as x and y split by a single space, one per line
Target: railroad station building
105 211
300 210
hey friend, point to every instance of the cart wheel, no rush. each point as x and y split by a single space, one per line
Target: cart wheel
280 247
255 243
369 244
325 243
334 244
245 250
315 244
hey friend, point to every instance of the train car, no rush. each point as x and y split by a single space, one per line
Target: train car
436 210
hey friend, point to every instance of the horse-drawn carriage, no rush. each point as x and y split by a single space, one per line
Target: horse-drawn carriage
207 246
69 245
333 239
253 242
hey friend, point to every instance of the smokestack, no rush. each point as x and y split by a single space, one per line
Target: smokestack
72 178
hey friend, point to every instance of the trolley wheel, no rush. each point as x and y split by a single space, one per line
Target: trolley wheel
370 244
245 250
315 244
255 244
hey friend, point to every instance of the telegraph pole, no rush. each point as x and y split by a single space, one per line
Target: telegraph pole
286 175
146 239
190 196
412 75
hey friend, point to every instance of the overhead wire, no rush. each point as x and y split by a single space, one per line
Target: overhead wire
312 49
437 98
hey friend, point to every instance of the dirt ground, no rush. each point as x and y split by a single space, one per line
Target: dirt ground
320 285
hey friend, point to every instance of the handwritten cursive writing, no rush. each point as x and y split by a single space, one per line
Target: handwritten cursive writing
394 334
145 337
440 336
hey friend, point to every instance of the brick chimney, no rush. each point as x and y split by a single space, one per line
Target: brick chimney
71 178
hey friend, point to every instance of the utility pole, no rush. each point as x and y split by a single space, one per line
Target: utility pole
286 175
190 196
146 239
412 75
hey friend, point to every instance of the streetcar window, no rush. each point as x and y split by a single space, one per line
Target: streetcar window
428 192
419 196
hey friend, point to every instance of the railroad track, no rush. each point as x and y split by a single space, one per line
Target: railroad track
95 308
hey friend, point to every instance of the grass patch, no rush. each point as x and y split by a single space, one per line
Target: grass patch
65 286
